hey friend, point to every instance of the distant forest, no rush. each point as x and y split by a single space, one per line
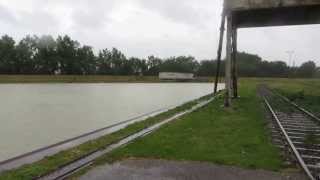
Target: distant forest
46 55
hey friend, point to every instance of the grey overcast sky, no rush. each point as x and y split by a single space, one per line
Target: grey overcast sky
160 27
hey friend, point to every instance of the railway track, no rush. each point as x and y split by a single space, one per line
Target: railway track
296 131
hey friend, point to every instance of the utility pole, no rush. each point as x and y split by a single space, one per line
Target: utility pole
290 54
294 61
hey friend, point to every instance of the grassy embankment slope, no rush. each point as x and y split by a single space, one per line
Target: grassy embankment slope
305 92
237 136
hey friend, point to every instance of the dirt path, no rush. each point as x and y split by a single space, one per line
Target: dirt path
144 169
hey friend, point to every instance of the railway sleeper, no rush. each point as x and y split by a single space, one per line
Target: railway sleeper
310 157
299 124
310 152
302 134
275 131
307 146
315 167
302 130
312 162
291 117
311 128
304 140
276 136
299 118
303 123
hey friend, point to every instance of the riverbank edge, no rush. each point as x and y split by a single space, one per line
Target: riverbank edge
29 79
52 163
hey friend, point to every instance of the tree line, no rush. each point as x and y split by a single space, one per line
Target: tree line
63 55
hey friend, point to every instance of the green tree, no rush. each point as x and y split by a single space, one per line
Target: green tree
25 56
118 62
184 64
153 64
137 66
86 60
317 75
104 62
207 68
307 69
248 64
46 55
8 61
67 55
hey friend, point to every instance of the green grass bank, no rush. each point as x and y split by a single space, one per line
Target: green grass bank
304 92
236 136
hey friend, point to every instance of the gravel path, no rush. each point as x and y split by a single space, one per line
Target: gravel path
144 169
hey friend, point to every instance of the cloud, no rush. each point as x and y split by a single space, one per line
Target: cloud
37 22
89 15
272 43
25 22
143 27
181 11
7 16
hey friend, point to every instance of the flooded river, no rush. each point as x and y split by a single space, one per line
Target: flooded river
36 115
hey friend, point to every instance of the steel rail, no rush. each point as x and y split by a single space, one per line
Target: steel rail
291 144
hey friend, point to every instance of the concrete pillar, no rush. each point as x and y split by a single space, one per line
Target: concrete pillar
234 63
228 81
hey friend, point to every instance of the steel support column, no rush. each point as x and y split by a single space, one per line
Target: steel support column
223 19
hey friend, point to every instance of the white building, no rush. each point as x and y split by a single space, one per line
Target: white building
176 76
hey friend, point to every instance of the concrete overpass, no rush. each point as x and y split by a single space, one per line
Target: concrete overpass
258 13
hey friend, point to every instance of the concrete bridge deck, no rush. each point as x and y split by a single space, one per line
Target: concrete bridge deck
259 13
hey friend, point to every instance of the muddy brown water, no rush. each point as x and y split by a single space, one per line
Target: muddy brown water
37 115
